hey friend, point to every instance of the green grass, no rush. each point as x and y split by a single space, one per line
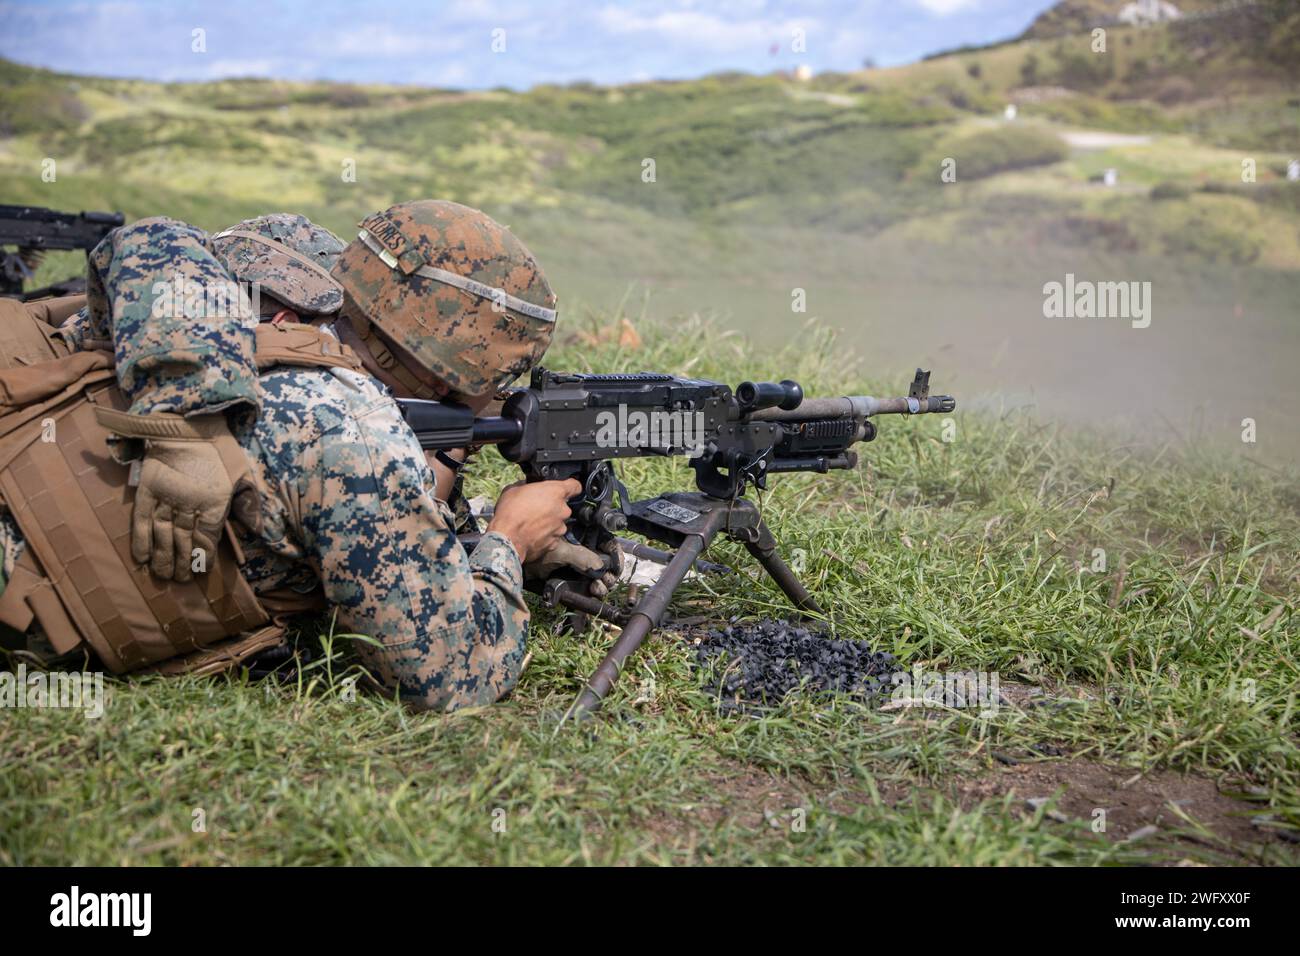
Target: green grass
968 554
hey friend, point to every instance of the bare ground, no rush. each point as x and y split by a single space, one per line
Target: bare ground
1167 808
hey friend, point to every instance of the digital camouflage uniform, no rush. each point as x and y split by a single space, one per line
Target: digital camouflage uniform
346 497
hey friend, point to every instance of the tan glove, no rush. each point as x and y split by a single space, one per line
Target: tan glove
566 554
184 488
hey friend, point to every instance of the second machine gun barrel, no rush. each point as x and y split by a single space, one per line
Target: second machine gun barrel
36 230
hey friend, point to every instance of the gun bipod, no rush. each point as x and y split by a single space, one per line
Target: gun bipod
688 522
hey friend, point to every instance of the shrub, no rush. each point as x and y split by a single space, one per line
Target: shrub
1170 190
40 109
1083 71
1009 147
1175 90
1029 70
1112 235
1207 239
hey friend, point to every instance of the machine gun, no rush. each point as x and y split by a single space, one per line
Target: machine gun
577 425
36 230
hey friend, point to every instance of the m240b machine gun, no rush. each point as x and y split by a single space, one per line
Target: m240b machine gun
577 425
34 231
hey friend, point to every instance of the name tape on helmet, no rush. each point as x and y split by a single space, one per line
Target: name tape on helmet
464 283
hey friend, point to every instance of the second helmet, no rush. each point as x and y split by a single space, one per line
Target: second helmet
454 289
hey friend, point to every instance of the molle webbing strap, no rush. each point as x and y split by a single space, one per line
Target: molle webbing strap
164 426
464 283
222 655
292 343
16 423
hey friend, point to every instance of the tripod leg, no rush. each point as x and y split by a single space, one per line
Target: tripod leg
642 620
781 573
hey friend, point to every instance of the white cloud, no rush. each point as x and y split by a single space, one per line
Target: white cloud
943 8
689 28
387 41
218 69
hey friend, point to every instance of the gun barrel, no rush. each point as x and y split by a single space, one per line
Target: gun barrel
856 406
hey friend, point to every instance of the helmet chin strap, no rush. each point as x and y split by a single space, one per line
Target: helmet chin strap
381 358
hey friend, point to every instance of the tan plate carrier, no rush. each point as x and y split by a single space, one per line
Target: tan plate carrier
72 501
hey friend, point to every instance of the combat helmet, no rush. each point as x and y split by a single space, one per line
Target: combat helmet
452 290
288 257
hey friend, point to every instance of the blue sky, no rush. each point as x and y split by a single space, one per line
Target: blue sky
450 44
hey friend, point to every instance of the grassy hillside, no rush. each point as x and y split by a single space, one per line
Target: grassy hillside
1188 75
849 153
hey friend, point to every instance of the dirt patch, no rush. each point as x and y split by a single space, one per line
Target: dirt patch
1133 801
750 799
754 800
1163 808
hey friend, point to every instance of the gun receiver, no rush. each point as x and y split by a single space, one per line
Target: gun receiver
36 230
575 425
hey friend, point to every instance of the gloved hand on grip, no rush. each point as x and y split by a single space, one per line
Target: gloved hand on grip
563 553
184 490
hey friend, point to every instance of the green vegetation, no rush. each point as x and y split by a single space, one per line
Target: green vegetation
1177 658
996 151
850 153
1170 191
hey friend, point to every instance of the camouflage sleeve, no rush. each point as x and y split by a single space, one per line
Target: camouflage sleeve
182 331
76 331
451 626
